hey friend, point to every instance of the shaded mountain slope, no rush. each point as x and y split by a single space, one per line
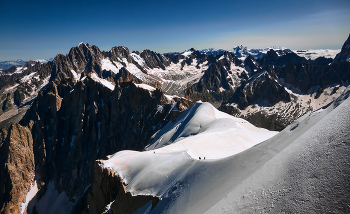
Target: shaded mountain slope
305 167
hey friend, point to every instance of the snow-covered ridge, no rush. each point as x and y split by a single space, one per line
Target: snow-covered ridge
270 171
200 133
200 126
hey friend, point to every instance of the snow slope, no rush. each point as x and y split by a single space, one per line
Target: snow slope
209 133
303 168
102 81
52 201
201 131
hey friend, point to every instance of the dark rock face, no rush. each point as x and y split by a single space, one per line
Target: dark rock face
250 64
220 81
270 58
18 97
7 103
262 88
321 61
108 188
273 59
18 82
83 58
268 121
265 81
305 76
344 55
215 77
229 109
73 129
155 60
17 168
174 58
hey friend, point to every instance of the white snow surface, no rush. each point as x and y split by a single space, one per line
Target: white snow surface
75 75
30 195
52 202
286 173
41 60
12 87
102 81
28 78
109 66
200 126
20 69
176 78
187 53
201 131
138 59
145 86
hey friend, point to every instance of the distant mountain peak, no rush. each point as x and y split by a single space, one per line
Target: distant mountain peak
344 54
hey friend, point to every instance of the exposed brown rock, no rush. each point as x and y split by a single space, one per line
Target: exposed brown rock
73 127
17 173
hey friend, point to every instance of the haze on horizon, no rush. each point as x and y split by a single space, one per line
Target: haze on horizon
42 29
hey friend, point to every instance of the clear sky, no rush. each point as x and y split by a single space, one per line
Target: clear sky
41 29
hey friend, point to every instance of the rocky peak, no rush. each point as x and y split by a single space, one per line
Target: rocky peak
87 123
117 53
18 168
214 78
226 59
83 58
200 58
175 58
212 51
272 54
240 51
251 64
344 54
280 58
154 60
261 88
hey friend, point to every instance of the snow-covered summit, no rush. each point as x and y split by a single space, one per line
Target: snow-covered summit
207 132
287 172
200 133
212 51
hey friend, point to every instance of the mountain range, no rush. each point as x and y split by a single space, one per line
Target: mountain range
4 65
120 132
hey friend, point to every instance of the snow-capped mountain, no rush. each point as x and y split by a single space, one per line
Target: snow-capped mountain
194 74
176 177
4 65
89 104
243 52
344 54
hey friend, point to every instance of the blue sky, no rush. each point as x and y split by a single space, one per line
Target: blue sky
42 29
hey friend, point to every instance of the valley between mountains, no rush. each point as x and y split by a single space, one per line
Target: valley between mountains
201 131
